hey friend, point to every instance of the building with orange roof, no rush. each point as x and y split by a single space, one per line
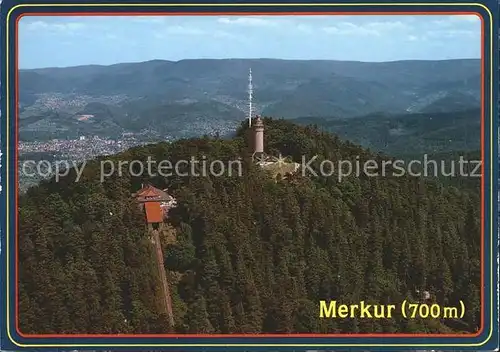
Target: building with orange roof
155 203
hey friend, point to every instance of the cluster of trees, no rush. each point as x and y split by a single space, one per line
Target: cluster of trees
252 255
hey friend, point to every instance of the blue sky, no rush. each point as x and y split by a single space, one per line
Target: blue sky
70 41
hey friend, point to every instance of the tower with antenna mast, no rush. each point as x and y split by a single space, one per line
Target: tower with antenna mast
277 166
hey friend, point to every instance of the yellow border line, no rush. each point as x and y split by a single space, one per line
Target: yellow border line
7 116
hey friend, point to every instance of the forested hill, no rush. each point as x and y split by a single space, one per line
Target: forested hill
252 255
429 132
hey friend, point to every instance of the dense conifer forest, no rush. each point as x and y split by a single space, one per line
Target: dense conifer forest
252 255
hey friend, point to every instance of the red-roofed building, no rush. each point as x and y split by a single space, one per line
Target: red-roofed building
155 203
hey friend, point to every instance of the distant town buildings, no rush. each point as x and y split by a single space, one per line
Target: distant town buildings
82 148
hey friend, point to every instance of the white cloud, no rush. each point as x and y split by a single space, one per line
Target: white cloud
368 29
247 21
457 20
54 27
190 31
389 25
465 18
455 26
451 33
412 38
176 30
348 28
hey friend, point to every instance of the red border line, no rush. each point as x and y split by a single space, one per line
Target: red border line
299 335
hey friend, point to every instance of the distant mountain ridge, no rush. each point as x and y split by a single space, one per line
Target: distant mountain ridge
212 94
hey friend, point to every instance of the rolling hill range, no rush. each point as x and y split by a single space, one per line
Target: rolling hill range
211 95
405 134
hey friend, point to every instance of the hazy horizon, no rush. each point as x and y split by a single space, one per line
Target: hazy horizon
242 58
68 41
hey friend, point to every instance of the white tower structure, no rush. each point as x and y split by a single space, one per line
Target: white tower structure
258 137
278 166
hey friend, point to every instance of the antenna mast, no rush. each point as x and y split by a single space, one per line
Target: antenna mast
250 97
